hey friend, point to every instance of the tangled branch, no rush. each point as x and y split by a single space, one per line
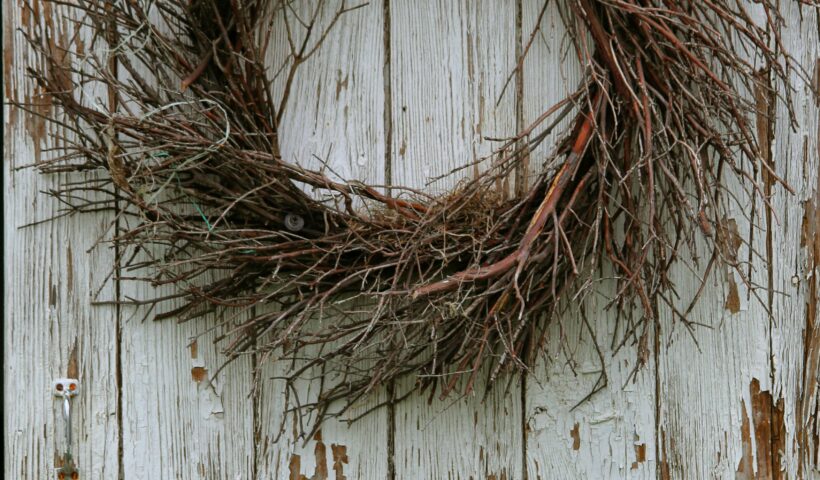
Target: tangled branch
370 285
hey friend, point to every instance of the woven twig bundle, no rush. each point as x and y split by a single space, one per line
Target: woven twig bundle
370 283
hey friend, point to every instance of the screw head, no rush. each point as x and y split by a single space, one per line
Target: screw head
65 387
294 222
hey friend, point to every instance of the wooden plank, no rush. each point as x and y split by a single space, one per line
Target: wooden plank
51 329
183 415
795 241
612 434
334 120
334 113
338 450
721 411
449 64
550 71
179 421
705 397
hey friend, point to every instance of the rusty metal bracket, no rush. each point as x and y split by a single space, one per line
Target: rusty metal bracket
66 389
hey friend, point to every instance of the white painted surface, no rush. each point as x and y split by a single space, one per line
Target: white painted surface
688 413
334 119
600 438
50 328
796 255
450 61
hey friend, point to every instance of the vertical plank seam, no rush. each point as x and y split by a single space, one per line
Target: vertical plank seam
660 448
113 67
118 351
388 100
519 126
255 405
524 472
771 106
522 169
388 182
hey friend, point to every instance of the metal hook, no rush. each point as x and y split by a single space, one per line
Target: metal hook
67 418
66 389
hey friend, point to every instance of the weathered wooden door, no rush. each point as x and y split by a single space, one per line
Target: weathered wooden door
401 92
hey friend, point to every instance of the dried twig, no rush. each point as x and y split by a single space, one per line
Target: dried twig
443 288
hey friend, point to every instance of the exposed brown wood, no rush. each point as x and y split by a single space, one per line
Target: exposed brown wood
339 461
769 430
576 437
808 426
745 468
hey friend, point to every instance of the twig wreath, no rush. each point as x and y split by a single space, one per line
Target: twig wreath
370 283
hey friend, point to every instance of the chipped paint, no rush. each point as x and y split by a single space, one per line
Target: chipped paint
769 428
745 469
199 374
339 454
733 298
295 468
320 453
730 241
664 461
340 83
69 275
763 438
764 118
8 57
576 437
817 77
640 455
808 424
73 364
339 460
810 229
